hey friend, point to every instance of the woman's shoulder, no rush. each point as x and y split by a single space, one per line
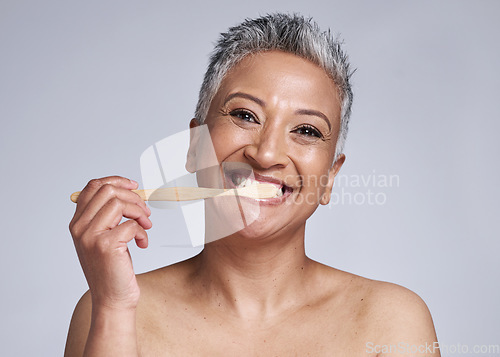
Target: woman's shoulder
168 280
149 282
381 297
379 293
395 304
395 312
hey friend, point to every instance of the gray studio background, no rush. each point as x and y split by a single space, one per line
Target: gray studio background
85 87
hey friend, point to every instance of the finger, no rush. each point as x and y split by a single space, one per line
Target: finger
105 194
129 230
110 215
94 185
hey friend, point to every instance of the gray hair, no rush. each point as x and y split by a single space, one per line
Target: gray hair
288 33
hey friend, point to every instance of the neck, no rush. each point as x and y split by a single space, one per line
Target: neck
254 278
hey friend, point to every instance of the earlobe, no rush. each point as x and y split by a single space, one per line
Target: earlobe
325 198
193 143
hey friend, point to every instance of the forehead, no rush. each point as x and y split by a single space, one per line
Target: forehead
283 79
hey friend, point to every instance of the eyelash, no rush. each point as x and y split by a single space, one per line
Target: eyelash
238 112
309 130
306 130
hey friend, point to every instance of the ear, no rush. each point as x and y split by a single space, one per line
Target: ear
193 144
325 198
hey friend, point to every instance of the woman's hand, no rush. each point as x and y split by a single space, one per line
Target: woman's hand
101 241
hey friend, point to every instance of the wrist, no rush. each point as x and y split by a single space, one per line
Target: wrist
107 305
113 319
112 332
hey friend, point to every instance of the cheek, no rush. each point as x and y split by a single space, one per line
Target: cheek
218 134
227 139
313 167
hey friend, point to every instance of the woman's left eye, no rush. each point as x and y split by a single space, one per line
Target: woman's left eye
308 130
243 115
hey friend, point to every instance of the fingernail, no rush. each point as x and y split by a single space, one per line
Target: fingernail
133 182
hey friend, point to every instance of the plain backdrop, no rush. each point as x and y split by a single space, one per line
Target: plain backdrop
86 87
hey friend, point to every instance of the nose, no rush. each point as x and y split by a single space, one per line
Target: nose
269 149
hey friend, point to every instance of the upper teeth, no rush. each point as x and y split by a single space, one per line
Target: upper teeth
244 182
247 181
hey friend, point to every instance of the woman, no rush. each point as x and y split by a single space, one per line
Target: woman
276 97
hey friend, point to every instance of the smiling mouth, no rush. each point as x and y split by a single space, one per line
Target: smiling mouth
240 180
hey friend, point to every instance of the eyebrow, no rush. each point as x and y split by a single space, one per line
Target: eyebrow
260 102
246 96
316 113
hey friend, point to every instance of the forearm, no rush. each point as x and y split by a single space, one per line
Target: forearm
112 333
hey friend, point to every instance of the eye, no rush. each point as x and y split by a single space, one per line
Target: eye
244 115
308 130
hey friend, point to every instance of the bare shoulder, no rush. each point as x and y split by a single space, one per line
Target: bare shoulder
391 315
396 302
156 286
164 286
385 300
402 314
168 280
161 288
403 320
79 327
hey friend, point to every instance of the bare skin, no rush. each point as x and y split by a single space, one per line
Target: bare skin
254 293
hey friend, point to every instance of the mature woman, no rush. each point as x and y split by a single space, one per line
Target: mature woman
277 98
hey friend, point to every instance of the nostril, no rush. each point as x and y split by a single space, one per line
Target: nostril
267 156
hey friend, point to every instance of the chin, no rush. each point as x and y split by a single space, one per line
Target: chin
264 229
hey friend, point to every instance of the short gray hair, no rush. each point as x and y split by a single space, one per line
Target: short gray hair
283 32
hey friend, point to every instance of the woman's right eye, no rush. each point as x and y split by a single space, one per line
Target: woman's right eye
244 115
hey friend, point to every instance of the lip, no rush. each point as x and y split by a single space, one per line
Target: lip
263 179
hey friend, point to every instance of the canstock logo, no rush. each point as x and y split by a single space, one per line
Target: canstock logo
188 159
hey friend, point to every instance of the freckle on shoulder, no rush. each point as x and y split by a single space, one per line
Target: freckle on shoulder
169 279
378 296
155 277
394 297
392 306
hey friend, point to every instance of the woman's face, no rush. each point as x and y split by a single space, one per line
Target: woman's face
280 115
